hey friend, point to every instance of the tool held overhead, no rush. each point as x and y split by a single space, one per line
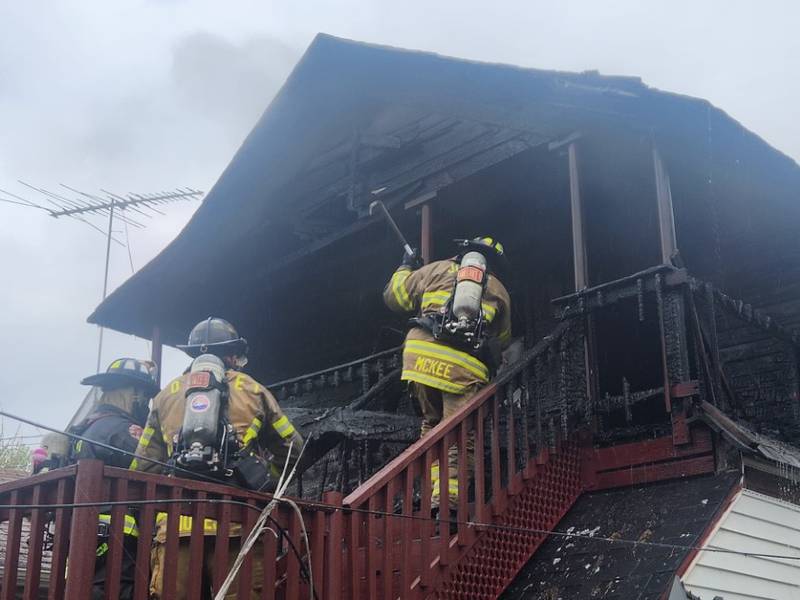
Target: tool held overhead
378 206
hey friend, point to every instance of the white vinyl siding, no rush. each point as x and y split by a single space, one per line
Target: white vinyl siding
753 524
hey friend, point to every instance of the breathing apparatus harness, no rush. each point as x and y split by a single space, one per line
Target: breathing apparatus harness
461 321
207 443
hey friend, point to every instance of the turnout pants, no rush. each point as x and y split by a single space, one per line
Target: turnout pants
436 406
186 571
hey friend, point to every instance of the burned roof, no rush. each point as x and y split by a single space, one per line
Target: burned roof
676 512
356 121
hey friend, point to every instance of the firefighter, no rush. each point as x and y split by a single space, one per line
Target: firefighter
116 420
444 371
259 423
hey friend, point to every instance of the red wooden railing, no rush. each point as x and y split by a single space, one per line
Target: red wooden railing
73 498
530 465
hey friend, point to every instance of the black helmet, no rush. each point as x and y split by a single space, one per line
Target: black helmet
215 336
127 372
490 248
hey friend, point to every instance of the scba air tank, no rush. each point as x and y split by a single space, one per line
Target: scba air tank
200 432
469 289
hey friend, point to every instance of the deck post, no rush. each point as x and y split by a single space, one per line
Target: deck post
666 215
83 530
581 268
578 232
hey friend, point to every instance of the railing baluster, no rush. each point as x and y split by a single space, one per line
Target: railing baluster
333 548
462 515
246 571
356 564
58 562
426 525
480 472
270 567
511 444
33 569
196 547
496 471
319 520
292 562
116 540
406 541
388 540
145 521
372 549
444 501
11 562
171 547
222 543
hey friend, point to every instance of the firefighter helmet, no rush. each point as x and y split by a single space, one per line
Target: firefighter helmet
127 372
215 336
495 257
481 244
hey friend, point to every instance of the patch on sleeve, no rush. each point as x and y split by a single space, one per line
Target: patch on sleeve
135 431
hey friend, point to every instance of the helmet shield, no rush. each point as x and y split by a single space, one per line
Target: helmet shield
215 336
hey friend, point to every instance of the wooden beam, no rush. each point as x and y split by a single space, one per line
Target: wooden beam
426 236
666 215
578 233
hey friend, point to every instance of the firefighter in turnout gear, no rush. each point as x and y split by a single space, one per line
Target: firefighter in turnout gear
445 369
116 420
261 430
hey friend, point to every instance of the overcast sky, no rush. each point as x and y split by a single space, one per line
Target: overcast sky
144 96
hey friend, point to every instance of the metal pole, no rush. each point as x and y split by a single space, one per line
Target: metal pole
105 278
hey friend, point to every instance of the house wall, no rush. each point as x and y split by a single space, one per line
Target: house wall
758 524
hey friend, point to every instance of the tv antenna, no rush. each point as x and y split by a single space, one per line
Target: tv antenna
79 205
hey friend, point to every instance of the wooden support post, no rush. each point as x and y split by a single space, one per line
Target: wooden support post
666 215
155 355
427 233
83 530
580 264
578 234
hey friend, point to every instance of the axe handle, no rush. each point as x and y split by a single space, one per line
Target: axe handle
393 225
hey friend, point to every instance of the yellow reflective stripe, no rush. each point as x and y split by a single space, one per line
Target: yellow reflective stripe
78 445
434 382
452 488
489 311
252 431
101 549
433 299
504 335
399 289
147 435
115 364
283 427
185 524
130 527
432 350
134 465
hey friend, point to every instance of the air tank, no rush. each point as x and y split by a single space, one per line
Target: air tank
469 289
200 432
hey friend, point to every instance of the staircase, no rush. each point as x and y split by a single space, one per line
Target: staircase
527 476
